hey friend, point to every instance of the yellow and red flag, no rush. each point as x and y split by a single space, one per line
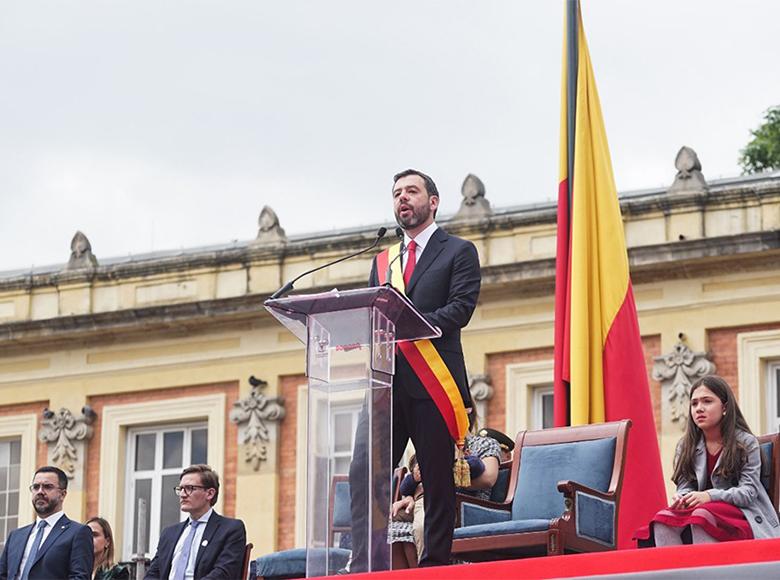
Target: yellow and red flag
600 372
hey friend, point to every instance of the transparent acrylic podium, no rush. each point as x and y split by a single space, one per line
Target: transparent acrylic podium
350 360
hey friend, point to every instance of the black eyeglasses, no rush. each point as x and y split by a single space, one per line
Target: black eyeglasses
47 487
187 489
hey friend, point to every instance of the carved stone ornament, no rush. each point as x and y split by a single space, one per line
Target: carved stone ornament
63 428
251 414
676 372
269 229
689 178
481 388
81 256
474 204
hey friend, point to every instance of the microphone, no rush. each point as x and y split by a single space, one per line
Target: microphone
399 232
289 286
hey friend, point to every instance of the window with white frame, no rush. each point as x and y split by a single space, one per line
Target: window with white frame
542 407
773 397
10 460
344 419
155 459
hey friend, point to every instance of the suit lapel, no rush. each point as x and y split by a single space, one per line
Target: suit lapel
208 534
169 557
700 464
59 528
433 249
16 552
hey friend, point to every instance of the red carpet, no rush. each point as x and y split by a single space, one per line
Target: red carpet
622 561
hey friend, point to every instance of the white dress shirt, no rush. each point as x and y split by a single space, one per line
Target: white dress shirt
189 573
50 523
422 240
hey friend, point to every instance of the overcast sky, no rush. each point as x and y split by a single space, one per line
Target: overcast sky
165 125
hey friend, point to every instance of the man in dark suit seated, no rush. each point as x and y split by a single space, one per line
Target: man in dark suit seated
206 545
53 546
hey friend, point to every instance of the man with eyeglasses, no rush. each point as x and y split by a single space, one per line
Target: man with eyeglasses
206 544
54 546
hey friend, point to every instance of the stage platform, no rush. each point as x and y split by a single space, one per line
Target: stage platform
746 560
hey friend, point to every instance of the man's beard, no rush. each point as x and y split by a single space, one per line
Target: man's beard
417 217
46 509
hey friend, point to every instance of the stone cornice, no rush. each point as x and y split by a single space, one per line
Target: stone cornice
534 277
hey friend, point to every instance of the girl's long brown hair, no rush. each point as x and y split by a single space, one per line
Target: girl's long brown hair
108 562
733 455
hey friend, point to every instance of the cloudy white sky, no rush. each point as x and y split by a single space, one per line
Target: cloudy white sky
165 125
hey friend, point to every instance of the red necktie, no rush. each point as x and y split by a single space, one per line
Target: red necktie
411 260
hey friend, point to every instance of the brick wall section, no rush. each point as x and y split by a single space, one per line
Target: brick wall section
41 449
288 451
722 344
227 479
496 368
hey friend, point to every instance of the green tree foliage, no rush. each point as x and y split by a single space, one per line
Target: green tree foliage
763 152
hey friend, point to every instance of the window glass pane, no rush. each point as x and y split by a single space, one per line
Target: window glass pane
777 391
173 449
547 411
341 466
342 431
5 452
144 451
3 500
13 503
12 524
3 476
13 477
199 453
16 451
170 512
143 490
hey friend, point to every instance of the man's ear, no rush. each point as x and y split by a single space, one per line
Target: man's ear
433 201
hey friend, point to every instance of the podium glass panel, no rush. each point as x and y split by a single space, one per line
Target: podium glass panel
350 338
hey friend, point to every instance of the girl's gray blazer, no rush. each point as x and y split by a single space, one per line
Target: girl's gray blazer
748 495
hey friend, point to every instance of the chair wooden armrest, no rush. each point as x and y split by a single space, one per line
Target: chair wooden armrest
568 488
461 498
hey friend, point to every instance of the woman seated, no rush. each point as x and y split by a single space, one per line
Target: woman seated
103 546
406 532
717 469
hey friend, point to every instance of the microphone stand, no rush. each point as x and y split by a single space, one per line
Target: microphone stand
289 285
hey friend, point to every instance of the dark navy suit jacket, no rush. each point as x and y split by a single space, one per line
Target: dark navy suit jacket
445 288
66 553
222 556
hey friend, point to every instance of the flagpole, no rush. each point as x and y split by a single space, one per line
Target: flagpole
572 50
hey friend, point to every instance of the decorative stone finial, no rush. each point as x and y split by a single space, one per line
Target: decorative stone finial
63 428
676 371
474 204
689 178
269 229
81 256
250 414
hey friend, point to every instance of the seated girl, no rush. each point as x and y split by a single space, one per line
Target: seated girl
717 470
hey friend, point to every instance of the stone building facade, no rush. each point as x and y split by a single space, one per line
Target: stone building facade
124 370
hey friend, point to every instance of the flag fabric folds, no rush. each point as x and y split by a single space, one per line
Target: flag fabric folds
600 372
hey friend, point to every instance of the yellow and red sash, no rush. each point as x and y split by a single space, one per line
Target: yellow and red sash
426 362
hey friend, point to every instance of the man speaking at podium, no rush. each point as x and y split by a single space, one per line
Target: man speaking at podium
441 277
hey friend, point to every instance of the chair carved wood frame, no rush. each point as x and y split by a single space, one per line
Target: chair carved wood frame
508 536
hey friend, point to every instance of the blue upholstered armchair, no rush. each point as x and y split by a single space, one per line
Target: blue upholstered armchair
564 496
770 466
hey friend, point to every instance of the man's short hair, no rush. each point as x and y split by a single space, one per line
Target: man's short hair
430 186
208 478
62 479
